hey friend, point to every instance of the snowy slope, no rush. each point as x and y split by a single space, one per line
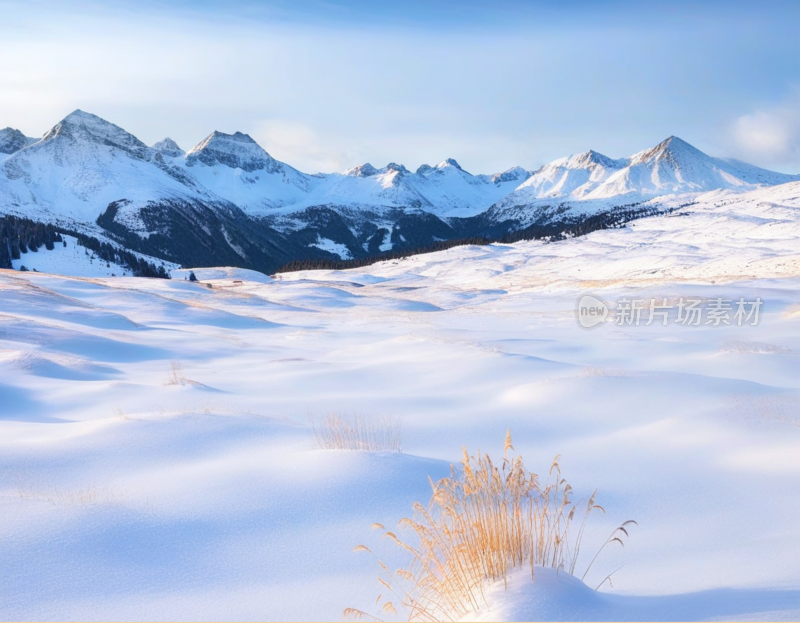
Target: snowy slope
69 259
130 491
722 237
561 597
574 176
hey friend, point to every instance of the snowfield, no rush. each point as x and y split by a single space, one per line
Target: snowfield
157 461
70 259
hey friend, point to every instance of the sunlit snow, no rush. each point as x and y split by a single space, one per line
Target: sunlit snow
130 491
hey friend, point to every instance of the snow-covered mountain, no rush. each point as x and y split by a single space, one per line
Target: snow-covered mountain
236 168
12 140
445 189
573 176
168 147
674 166
82 165
228 195
671 167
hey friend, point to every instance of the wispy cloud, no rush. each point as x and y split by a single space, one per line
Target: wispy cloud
290 141
772 133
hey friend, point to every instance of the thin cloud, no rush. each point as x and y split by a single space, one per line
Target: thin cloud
301 146
772 134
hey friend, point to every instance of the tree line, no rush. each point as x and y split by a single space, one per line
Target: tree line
20 235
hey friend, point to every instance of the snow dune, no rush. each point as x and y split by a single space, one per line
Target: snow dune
128 491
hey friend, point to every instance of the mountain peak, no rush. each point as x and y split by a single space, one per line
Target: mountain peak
393 166
85 127
79 114
671 148
362 170
237 151
449 162
168 147
674 143
674 139
514 174
443 167
239 137
591 158
12 140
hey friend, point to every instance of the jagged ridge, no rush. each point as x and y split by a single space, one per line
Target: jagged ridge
85 164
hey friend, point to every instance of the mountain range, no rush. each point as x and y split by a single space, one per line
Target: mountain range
227 201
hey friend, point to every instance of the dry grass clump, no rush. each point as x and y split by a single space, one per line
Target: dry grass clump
481 523
178 377
357 432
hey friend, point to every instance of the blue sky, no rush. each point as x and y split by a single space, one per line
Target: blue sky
325 85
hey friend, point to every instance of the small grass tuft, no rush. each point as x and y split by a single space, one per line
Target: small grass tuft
357 432
178 377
